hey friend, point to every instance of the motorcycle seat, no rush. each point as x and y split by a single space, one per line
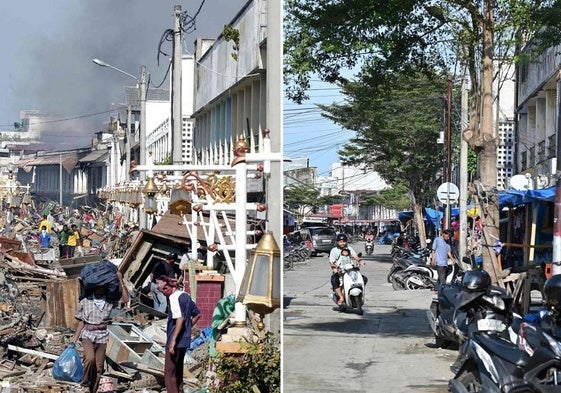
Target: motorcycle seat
449 292
503 349
416 261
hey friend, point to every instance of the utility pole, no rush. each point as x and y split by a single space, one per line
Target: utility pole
274 99
557 214
176 116
142 137
448 149
463 168
128 143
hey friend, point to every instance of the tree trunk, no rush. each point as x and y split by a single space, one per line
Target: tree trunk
487 155
420 222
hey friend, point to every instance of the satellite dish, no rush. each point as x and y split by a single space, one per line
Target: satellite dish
521 182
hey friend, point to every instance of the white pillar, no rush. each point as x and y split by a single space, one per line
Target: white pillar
241 237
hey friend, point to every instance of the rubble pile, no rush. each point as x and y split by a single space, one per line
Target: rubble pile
39 291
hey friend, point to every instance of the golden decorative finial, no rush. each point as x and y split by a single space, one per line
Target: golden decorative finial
240 149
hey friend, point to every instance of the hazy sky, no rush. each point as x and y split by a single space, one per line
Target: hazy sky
48 46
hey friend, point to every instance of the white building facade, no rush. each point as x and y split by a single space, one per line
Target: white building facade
230 88
536 142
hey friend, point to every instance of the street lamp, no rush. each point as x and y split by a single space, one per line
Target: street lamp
260 287
104 64
142 85
142 137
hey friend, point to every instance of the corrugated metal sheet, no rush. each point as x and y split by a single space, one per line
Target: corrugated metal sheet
95 156
132 95
68 160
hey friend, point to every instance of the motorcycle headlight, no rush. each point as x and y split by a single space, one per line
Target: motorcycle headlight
495 301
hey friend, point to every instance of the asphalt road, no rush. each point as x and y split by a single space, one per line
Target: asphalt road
388 349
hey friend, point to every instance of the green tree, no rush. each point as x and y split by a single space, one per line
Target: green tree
396 133
387 39
392 198
302 199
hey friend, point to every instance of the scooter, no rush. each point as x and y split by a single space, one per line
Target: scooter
369 247
401 262
422 277
491 363
353 288
457 311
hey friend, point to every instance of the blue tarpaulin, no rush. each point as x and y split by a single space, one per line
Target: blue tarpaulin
510 198
513 198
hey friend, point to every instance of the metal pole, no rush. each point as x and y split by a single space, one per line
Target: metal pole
557 215
176 116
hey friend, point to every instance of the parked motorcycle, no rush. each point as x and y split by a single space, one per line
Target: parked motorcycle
353 288
400 263
369 247
422 276
473 304
491 363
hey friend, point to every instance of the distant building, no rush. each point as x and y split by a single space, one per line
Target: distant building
503 109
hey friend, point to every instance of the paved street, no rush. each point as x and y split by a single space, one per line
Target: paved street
388 349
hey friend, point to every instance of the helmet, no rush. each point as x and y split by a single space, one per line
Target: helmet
476 280
341 236
552 290
172 256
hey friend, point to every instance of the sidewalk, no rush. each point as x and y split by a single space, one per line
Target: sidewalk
388 349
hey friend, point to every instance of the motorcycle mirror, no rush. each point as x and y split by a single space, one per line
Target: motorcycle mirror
359 254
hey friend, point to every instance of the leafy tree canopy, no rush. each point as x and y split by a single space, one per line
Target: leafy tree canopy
391 198
396 131
384 38
301 196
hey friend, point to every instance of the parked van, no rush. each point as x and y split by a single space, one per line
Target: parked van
323 238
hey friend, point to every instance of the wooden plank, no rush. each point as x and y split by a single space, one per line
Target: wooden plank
61 304
142 367
32 352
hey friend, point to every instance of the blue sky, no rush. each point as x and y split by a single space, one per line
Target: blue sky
308 134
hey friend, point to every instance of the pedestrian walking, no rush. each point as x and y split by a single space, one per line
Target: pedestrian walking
183 314
45 237
73 239
93 315
441 254
63 241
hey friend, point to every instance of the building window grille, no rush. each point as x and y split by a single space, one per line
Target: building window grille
532 158
541 151
552 146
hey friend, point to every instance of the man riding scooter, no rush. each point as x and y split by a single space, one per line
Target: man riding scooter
334 262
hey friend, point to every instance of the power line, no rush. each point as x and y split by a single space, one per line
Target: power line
68 118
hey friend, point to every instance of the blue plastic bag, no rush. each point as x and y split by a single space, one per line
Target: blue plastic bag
68 366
